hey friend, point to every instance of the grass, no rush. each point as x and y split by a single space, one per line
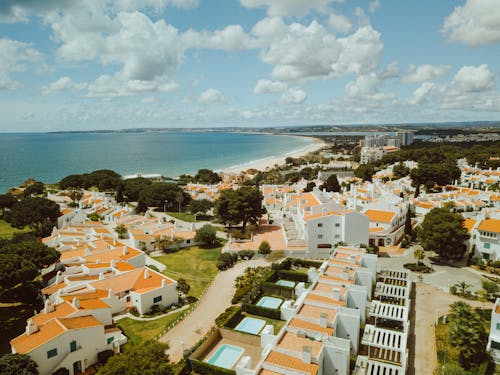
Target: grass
195 264
184 216
140 331
6 231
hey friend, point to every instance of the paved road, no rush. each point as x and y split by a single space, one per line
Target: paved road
431 301
216 299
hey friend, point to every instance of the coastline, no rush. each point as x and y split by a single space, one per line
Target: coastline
269 162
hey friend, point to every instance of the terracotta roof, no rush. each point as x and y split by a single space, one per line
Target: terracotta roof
99 293
317 298
60 311
315 312
490 225
286 361
80 322
379 215
26 343
92 304
291 341
302 324
469 224
53 288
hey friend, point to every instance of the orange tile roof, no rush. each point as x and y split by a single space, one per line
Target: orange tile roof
133 280
286 361
99 293
317 298
490 225
379 215
268 372
92 304
80 322
24 343
335 279
315 312
469 224
302 324
60 311
375 229
291 341
310 200
53 288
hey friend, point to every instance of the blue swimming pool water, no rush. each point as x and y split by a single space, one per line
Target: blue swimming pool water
286 283
251 325
225 356
270 302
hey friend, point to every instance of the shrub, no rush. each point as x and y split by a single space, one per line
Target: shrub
293 275
226 315
102 357
246 254
262 311
204 368
264 247
240 293
61 371
133 310
226 260
418 267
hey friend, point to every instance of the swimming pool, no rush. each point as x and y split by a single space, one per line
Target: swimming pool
251 325
225 356
270 302
286 283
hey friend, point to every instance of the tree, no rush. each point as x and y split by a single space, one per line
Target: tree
206 235
207 176
240 206
132 188
182 286
491 288
430 175
309 187
467 333
443 232
462 287
200 206
331 184
419 255
34 189
264 247
365 172
161 195
148 358
7 201
408 227
121 230
400 171
17 364
39 213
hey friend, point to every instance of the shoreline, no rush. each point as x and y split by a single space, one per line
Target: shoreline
271 161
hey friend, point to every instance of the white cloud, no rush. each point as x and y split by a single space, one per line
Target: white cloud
212 96
307 52
475 23
288 7
63 83
391 70
366 88
231 38
14 57
374 5
421 93
339 23
114 86
424 73
472 78
293 95
265 86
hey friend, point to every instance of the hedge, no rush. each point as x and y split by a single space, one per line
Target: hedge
240 293
230 318
204 368
273 289
293 275
262 311
104 356
306 263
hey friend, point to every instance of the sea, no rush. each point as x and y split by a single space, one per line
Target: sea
48 157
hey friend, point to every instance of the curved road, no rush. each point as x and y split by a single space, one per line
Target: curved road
216 299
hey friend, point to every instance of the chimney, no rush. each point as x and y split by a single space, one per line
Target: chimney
125 250
345 274
306 354
146 273
110 293
336 293
323 319
352 258
113 263
114 241
163 283
101 275
58 277
31 327
323 211
78 242
76 303
48 307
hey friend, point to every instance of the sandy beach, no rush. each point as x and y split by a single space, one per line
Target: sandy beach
270 162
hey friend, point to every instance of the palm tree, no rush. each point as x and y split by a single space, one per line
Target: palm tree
179 198
419 255
121 230
463 286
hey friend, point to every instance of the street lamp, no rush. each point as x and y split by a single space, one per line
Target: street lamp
165 205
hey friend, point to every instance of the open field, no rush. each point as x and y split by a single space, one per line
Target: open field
6 231
139 331
195 264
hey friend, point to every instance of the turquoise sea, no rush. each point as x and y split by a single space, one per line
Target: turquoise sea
48 157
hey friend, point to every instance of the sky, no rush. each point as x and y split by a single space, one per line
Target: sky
113 64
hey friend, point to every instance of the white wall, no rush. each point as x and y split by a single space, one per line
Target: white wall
144 301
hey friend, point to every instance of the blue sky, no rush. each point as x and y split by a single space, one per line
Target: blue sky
110 64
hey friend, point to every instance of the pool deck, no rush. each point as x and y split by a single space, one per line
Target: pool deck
249 350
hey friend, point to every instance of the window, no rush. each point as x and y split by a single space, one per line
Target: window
157 299
188 241
337 236
52 353
110 339
498 326
486 245
72 346
320 236
337 225
320 225
495 345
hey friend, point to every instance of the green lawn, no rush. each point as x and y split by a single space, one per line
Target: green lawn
139 331
184 216
6 231
195 264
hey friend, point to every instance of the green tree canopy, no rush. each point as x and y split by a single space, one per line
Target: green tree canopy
17 364
7 201
365 172
240 206
132 188
264 247
183 286
400 171
430 175
200 206
146 359
39 213
207 176
103 179
331 184
443 232
161 195
34 189
206 235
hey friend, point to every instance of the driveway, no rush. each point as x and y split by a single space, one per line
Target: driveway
216 299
